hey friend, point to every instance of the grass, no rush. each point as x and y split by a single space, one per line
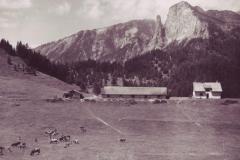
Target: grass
189 130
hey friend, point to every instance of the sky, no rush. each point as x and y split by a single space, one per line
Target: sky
40 21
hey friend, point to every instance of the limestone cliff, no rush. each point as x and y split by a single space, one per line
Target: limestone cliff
158 40
183 22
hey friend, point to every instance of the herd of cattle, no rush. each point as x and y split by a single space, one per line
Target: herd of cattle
21 145
53 139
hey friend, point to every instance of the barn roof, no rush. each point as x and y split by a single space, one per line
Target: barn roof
115 90
201 87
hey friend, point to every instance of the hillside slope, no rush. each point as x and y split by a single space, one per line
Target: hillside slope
16 84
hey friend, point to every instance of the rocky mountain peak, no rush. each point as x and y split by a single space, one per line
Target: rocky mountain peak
158 40
183 23
182 5
158 19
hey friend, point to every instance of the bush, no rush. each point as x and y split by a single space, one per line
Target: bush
9 60
229 102
157 101
55 100
131 102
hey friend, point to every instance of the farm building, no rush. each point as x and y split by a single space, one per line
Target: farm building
134 92
210 90
73 94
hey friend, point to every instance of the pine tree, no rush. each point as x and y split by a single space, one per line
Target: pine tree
96 89
9 60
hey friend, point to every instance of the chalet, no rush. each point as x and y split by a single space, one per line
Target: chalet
210 90
134 92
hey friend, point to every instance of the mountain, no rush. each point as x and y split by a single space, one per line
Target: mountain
124 41
121 41
158 40
183 22
192 45
200 46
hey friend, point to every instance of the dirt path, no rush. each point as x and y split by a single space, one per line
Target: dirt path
190 118
102 121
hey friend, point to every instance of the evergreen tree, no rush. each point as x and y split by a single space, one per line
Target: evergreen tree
96 89
4 44
9 60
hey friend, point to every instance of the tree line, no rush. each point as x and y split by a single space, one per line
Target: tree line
177 67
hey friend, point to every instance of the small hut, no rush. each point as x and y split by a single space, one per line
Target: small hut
73 94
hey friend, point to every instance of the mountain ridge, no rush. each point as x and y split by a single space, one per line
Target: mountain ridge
91 43
124 41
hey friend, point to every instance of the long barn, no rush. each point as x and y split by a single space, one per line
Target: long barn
134 92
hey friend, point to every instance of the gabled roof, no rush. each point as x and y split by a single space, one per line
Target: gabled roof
201 87
115 90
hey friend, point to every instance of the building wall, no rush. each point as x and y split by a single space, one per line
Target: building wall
205 95
200 95
133 96
215 95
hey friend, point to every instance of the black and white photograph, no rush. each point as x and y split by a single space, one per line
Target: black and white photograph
119 80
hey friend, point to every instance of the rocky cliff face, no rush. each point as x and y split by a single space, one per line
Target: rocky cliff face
158 40
127 40
183 23
119 42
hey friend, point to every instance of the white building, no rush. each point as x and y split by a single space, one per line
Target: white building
208 90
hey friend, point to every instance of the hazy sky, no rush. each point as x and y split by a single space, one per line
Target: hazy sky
40 21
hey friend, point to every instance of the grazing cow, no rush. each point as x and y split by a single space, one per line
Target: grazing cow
55 133
9 149
48 132
35 150
51 132
75 141
83 129
16 144
67 145
1 150
53 141
64 138
22 146
123 140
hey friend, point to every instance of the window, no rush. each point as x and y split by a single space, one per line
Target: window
208 89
